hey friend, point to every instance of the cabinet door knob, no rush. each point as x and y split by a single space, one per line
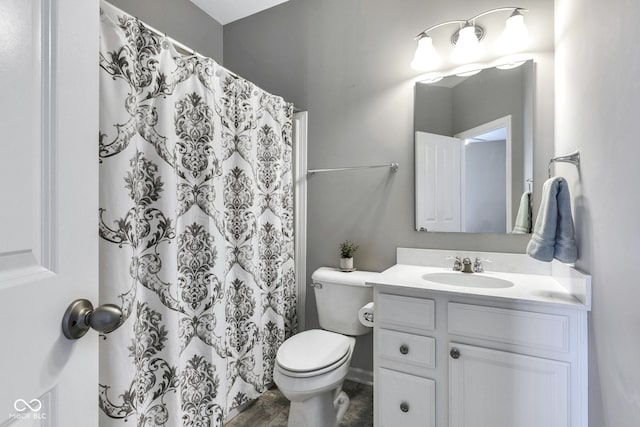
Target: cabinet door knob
455 353
404 407
404 349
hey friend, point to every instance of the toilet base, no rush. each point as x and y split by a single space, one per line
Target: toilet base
322 410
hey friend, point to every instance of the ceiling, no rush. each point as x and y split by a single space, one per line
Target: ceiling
225 11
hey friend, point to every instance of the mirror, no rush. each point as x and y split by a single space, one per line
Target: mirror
474 152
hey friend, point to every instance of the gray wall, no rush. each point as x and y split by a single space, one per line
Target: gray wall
490 95
598 105
485 175
495 94
433 110
181 20
347 63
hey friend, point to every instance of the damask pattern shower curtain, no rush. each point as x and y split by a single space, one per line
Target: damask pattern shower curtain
196 227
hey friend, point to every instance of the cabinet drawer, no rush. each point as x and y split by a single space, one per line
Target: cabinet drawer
403 312
516 327
407 348
405 400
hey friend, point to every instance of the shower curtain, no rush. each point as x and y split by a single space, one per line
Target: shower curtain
196 227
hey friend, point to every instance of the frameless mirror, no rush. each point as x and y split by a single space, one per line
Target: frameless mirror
474 151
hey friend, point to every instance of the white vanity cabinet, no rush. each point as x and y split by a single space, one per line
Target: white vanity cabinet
445 359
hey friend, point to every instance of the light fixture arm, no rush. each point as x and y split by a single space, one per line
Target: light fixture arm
500 9
442 24
470 20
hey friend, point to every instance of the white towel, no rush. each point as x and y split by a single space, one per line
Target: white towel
523 219
554 236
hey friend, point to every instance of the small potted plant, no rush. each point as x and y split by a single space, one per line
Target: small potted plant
347 249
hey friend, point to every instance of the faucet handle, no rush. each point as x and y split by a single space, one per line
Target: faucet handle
477 265
457 263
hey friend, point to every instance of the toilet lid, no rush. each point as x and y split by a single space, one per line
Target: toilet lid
312 350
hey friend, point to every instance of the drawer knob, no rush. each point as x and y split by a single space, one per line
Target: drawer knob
455 353
404 407
404 349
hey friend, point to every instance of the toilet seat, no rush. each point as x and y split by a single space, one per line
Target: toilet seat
312 352
297 374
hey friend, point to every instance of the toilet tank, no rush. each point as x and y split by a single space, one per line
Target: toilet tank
339 296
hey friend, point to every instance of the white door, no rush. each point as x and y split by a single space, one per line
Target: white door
500 389
48 209
438 182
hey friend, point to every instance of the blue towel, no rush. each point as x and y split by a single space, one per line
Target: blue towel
553 235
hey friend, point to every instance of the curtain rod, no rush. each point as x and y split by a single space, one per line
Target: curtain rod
179 44
394 168
173 41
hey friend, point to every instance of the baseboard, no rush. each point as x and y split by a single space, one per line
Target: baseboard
360 376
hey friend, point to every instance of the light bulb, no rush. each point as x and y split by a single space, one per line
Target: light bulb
426 57
467 47
515 36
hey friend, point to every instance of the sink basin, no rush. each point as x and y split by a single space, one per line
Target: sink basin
468 280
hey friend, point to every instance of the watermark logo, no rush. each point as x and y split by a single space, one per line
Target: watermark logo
28 410
22 405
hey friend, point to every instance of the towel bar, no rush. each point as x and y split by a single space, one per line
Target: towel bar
393 166
573 158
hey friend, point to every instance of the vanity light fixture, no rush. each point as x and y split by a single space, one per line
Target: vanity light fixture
467 47
426 56
515 36
466 40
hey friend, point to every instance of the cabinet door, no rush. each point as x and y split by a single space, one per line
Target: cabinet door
405 400
500 389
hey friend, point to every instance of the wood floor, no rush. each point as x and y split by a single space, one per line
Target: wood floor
272 409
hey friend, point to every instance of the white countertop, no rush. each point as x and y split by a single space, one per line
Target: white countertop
533 288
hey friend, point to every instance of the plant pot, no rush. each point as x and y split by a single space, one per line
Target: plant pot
346 263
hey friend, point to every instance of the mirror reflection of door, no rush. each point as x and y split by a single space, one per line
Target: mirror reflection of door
463 183
439 178
486 182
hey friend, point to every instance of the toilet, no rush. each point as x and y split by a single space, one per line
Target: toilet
312 365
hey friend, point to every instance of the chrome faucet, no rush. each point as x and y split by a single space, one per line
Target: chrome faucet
466 265
463 265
